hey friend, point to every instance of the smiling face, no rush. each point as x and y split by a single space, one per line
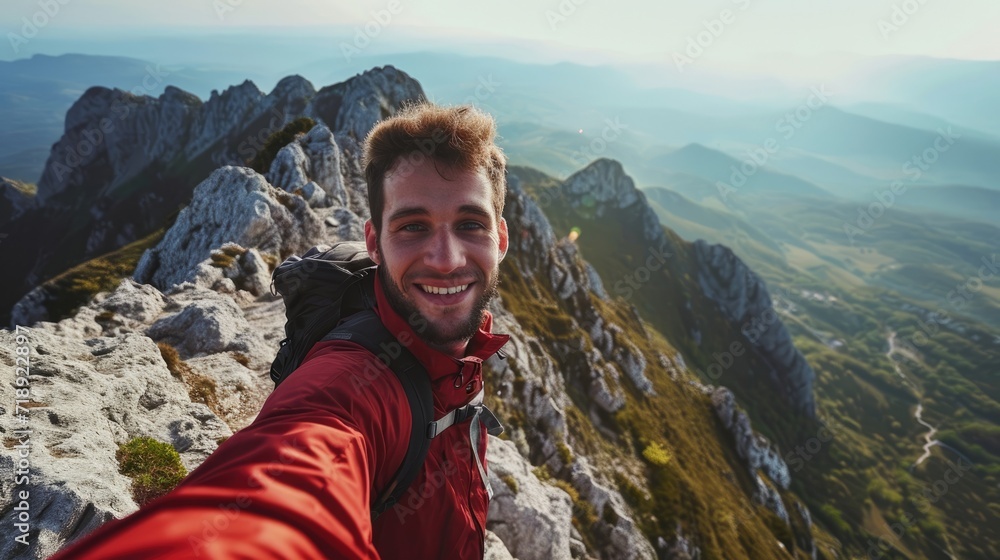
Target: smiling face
439 249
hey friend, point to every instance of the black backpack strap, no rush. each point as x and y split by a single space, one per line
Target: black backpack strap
366 329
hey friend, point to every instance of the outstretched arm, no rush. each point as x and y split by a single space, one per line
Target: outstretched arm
296 483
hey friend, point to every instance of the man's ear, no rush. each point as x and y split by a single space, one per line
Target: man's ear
503 238
371 241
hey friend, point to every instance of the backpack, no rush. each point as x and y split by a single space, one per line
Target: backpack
329 293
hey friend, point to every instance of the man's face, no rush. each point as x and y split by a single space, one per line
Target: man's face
439 250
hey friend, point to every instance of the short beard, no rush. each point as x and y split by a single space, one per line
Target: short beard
462 330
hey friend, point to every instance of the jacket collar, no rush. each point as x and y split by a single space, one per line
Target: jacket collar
438 364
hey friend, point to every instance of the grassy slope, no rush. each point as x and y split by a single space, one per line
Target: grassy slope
856 485
703 486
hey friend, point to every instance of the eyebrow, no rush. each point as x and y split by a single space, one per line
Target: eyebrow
419 211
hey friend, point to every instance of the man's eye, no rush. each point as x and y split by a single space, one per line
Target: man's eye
472 225
412 227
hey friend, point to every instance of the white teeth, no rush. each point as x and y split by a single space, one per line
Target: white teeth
452 290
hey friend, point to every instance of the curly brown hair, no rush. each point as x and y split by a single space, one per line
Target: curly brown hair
462 137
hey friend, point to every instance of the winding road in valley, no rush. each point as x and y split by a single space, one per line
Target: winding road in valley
918 415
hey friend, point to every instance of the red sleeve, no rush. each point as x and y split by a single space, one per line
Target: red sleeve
296 483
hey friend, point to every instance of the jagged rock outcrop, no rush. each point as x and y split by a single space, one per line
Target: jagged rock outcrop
234 205
755 449
312 165
742 296
352 107
535 247
759 455
533 518
208 324
602 186
174 142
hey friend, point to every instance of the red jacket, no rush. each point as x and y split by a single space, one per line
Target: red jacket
298 481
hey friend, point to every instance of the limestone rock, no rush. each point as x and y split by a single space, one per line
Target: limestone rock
311 164
206 323
742 296
495 549
236 205
534 521
91 395
754 448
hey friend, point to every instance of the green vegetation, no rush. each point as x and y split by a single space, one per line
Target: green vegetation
201 389
74 288
656 455
227 255
840 304
261 162
896 278
155 468
510 481
691 481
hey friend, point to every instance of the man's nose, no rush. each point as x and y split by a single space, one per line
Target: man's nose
445 252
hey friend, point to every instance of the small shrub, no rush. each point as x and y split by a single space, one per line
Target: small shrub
261 163
154 467
510 481
222 260
657 455
565 455
542 473
173 360
271 260
241 359
203 390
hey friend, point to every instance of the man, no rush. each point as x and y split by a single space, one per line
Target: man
299 481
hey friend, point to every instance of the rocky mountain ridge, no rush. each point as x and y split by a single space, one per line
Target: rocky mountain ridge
202 290
603 189
127 162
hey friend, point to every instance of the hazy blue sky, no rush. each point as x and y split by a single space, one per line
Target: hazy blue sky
606 29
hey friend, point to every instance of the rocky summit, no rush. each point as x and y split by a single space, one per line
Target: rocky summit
615 447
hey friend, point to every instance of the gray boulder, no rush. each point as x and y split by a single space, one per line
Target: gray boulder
237 205
532 519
